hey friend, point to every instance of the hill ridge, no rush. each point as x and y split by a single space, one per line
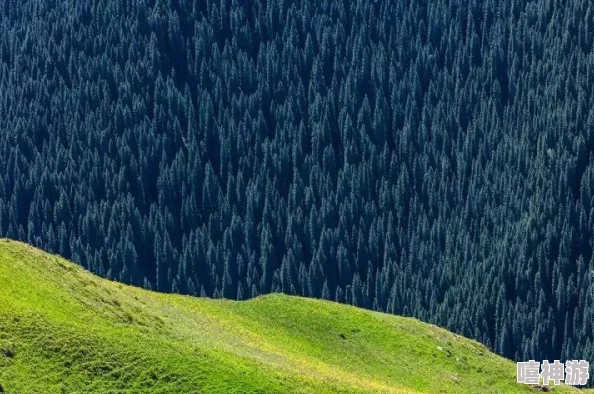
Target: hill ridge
63 329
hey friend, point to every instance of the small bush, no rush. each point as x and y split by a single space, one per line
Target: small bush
8 352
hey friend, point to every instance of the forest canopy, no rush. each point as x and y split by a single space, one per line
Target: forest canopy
429 159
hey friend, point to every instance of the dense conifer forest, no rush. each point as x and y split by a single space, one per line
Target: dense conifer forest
429 159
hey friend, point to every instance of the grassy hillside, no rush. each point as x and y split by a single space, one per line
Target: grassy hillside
63 330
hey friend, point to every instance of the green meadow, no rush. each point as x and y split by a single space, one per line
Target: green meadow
64 330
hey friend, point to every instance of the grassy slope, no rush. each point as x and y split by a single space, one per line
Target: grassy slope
63 330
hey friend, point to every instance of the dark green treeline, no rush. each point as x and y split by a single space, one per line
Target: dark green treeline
432 159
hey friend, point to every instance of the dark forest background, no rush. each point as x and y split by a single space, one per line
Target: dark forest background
430 159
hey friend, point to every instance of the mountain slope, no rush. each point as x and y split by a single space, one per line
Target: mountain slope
427 158
63 330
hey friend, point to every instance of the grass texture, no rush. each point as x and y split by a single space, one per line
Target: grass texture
64 330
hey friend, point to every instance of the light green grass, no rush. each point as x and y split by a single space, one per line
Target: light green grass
64 330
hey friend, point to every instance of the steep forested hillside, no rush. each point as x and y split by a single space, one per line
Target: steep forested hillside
431 159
